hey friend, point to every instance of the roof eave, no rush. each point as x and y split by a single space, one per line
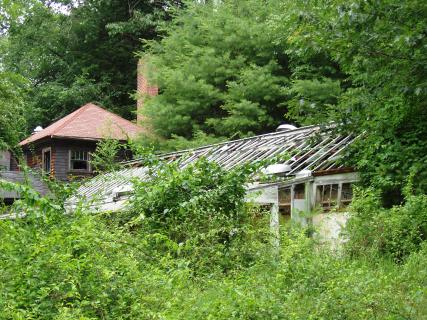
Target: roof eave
82 138
26 144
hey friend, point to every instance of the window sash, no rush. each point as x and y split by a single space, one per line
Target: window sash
79 156
330 195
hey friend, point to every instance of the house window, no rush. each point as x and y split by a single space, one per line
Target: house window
335 195
299 191
46 160
327 196
285 201
79 160
346 194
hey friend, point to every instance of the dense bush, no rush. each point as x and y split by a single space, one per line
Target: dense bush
188 247
79 269
311 284
199 213
395 232
129 264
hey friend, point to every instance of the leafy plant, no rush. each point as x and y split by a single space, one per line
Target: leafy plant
105 157
188 247
393 233
200 210
12 112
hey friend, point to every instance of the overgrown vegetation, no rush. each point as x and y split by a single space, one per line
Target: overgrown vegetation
234 68
189 247
12 111
393 233
74 52
242 67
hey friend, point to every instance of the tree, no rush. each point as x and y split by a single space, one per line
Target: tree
223 70
239 68
382 47
218 71
12 113
10 11
81 53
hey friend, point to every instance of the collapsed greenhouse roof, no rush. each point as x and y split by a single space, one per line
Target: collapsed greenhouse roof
310 149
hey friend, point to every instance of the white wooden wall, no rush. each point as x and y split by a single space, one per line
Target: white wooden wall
328 225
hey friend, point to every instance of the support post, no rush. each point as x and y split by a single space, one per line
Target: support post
275 226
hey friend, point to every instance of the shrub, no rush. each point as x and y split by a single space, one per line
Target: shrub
201 213
128 265
394 233
308 283
190 248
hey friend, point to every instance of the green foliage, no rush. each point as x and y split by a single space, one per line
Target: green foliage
78 268
238 68
188 247
12 111
81 268
229 69
104 159
219 71
381 48
121 265
10 11
201 211
314 100
80 54
394 233
308 283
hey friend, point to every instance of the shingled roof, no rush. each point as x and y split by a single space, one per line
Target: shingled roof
89 122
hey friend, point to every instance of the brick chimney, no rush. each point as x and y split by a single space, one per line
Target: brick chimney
144 89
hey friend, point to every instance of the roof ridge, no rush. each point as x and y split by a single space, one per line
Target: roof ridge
76 112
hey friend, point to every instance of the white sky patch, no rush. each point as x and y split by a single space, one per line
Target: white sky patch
64 9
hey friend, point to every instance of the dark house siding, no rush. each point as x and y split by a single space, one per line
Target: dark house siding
61 160
60 156
63 148
60 153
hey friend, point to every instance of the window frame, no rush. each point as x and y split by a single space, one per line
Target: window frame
347 201
338 205
45 150
285 204
70 168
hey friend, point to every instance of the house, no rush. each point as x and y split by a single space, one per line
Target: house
64 148
312 180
